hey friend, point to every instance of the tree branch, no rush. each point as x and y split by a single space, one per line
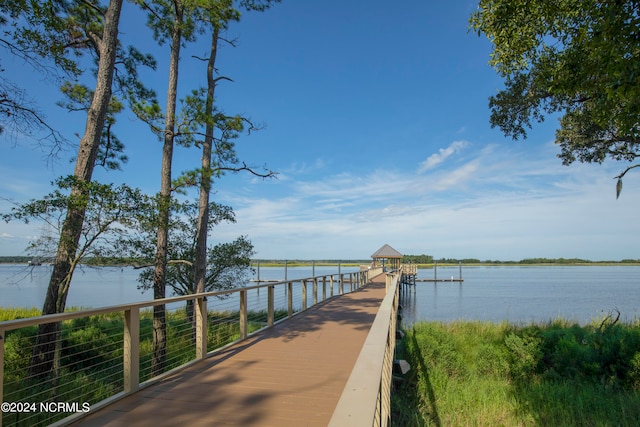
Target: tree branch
619 177
244 167
222 78
627 170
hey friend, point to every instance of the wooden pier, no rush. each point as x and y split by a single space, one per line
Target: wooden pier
410 276
319 358
292 374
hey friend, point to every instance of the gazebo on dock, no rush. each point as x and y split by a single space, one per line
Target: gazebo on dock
387 257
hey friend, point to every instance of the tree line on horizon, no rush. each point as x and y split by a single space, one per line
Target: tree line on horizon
406 259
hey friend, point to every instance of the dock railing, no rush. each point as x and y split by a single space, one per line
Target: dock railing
366 399
410 269
105 354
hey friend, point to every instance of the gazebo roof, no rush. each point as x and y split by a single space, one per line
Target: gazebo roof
386 252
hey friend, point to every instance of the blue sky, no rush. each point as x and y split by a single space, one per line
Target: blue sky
376 119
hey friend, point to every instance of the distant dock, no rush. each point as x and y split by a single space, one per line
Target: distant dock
410 276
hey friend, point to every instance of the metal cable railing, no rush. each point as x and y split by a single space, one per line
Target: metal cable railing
104 354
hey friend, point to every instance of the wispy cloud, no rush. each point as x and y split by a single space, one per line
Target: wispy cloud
495 202
436 158
499 204
456 177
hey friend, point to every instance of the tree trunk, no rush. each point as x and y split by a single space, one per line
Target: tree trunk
205 177
164 206
42 359
200 264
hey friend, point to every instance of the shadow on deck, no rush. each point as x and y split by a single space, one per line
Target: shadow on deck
289 375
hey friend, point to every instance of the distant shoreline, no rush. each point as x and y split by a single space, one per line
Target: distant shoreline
21 260
448 264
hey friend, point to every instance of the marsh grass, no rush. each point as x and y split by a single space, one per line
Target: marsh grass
493 374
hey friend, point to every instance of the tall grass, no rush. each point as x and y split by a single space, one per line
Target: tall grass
492 374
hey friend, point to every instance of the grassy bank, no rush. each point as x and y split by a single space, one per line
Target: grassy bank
487 374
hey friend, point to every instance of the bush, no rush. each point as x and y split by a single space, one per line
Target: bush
524 354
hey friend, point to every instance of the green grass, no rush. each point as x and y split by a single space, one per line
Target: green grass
487 374
12 313
92 356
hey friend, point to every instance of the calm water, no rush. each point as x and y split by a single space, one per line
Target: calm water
516 294
23 286
526 294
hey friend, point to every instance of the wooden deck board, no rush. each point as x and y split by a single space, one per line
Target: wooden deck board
289 375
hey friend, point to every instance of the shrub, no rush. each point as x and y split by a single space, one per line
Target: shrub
524 354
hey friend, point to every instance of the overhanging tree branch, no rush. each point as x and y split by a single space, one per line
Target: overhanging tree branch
576 58
619 177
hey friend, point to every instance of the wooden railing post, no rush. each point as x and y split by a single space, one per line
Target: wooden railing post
331 283
304 295
290 298
315 290
201 328
131 347
324 288
341 284
270 305
388 281
243 314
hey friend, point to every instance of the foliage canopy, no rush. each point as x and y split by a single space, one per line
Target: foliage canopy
576 58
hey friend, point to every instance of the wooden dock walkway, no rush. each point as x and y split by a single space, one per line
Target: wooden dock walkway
289 375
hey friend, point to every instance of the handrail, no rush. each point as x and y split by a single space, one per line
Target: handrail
410 269
366 398
132 321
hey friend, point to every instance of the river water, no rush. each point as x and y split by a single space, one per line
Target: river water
518 294
523 294
24 286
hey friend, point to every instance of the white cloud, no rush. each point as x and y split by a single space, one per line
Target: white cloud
505 203
442 154
456 177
